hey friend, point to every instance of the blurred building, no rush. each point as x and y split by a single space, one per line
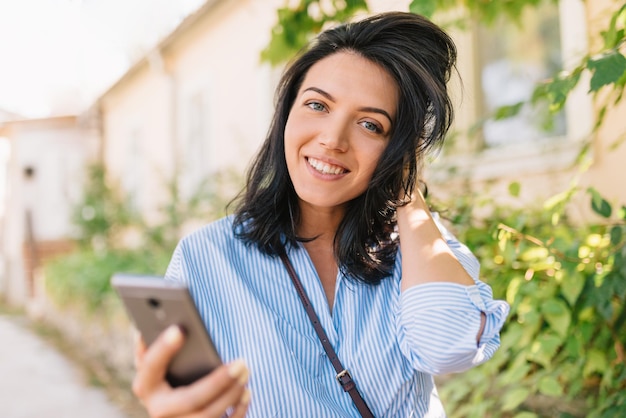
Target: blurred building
44 174
200 102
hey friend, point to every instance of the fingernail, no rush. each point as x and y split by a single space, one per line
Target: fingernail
238 370
245 397
173 336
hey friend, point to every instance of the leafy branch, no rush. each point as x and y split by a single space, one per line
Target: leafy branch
299 23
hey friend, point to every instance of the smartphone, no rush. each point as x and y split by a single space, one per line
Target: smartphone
154 304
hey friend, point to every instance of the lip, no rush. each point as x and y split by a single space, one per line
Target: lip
329 161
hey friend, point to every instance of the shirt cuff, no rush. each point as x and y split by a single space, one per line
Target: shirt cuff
439 322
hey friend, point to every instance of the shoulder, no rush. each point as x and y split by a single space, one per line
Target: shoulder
214 252
204 247
216 232
212 246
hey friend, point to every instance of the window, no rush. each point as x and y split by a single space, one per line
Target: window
513 58
500 66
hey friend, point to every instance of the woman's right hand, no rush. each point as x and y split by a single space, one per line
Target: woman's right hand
223 390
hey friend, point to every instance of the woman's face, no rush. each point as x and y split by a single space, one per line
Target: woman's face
338 128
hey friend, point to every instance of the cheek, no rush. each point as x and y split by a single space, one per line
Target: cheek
297 134
291 146
288 145
291 134
371 157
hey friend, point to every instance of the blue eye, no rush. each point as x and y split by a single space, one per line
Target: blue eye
317 106
371 126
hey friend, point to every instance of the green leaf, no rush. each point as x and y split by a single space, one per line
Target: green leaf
606 70
549 386
555 91
573 346
612 36
544 348
558 200
511 336
596 362
616 234
558 316
423 7
618 284
504 112
599 204
514 188
514 398
526 414
571 286
513 289
514 375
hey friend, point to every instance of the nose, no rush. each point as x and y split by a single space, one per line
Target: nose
335 134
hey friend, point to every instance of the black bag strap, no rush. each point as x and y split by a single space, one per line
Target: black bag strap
343 376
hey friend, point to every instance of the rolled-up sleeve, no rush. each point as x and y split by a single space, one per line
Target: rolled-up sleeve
438 324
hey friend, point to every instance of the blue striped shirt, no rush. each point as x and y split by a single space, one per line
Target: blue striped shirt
392 342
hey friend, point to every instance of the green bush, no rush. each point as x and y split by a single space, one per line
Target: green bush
84 276
104 217
562 352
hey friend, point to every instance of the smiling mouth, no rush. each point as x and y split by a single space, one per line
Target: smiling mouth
325 168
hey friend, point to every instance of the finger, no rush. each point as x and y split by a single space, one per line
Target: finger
206 391
242 407
155 360
227 401
140 349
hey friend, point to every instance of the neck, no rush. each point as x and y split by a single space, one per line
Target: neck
319 223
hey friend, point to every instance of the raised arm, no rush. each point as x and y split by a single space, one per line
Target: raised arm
429 259
449 321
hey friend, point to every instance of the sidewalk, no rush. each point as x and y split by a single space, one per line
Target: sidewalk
37 381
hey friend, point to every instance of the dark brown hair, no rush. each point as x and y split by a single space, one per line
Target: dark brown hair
420 57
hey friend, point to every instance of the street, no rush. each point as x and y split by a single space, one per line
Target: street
36 380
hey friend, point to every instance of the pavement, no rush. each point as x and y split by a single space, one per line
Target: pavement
37 381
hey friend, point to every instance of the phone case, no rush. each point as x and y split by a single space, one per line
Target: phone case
154 304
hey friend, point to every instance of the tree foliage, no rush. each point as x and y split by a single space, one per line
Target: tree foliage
296 25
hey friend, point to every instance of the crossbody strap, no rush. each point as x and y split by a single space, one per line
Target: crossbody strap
343 376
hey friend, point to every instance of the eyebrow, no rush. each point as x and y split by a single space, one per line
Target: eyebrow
363 109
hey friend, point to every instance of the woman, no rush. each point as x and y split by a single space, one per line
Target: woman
333 189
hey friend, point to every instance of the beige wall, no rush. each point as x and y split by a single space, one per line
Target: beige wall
608 171
217 58
136 120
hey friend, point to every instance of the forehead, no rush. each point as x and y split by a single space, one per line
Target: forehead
350 76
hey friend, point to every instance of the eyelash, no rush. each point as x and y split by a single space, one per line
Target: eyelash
377 129
313 105
319 107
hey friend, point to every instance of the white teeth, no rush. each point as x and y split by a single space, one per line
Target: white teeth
325 168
